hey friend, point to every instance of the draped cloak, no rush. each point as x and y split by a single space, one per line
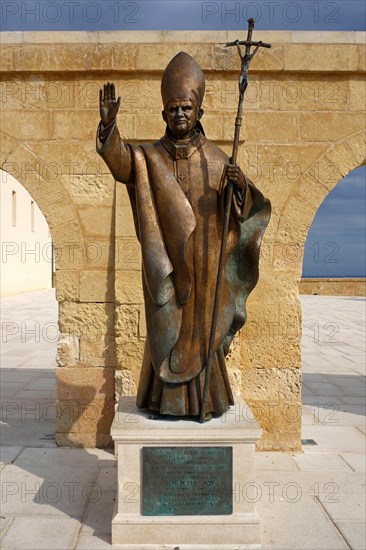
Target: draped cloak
177 195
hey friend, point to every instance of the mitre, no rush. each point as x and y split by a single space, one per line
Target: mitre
183 77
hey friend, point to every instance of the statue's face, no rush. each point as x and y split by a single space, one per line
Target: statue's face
181 116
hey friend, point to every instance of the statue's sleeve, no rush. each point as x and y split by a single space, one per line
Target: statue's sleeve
115 153
242 201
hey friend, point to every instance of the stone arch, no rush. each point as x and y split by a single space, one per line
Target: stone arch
39 179
320 178
278 353
78 408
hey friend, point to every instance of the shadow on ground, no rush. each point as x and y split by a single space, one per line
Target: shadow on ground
42 481
330 395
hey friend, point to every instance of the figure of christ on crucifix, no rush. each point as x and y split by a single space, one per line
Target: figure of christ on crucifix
177 188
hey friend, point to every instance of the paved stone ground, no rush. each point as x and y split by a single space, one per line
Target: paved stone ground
55 498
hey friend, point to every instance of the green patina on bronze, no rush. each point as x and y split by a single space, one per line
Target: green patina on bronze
187 481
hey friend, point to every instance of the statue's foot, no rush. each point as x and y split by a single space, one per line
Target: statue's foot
208 417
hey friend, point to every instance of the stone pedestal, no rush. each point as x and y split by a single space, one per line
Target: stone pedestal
134 430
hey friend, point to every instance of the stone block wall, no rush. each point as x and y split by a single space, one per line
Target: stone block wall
303 127
347 286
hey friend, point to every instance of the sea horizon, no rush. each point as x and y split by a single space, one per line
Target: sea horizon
333 277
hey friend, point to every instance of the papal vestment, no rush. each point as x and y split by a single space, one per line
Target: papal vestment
177 195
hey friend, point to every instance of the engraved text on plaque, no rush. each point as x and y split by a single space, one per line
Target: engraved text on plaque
186 481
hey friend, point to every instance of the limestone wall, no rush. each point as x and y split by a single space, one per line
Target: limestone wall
347 286
304 131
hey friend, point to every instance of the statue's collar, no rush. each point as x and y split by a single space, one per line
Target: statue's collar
183 149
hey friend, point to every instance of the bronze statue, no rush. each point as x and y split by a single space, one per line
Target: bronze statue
177 188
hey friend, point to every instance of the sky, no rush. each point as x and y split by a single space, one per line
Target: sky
23 15
335 246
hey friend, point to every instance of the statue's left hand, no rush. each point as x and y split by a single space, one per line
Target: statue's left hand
235 175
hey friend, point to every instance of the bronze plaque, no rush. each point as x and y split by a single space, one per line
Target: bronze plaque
187 481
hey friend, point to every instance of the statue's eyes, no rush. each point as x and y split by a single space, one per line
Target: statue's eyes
183 107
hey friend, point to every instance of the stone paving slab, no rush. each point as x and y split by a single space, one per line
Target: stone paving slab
65 457
332 412
29 432
321 462
92 542
48 533
303 525
10 389
353 400
345 507
337 439
316 482
275 461
43 384
27 394
51 490
348 389
4 523
353 533
99 515
349 415
296 491
9 454
355 461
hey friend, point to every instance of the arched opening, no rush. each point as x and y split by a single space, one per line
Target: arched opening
335 246
29 314
27 255
332 296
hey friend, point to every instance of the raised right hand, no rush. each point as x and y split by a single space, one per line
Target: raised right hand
107 103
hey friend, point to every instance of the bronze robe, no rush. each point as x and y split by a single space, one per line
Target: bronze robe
177 196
